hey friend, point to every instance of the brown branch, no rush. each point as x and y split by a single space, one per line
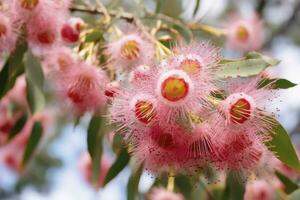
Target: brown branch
126 16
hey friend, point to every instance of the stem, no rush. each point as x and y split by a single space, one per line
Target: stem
209 29
171 183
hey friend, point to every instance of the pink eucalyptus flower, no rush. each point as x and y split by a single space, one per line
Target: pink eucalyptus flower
162 194
130 50
259 190
82 88
162 149
245 107
85 167
245 34
185 81
59 59
8 33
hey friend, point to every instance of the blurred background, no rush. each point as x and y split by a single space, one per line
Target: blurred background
54 173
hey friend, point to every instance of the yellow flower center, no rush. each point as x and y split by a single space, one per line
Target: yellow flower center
29 4
190 66
240 111
144 111
174 88
242 34
130 50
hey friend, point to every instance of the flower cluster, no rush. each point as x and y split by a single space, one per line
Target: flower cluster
173 121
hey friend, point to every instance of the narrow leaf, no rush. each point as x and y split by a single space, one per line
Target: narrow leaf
35 97
252 64
36 134
275 83
34 70
234 189
196 7
94 36
282 146
12 69
289 185
94 142
17 127
119 164
133 183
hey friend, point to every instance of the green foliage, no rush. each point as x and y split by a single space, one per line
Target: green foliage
12 69
276 83
133 182
289 185
119 164
34 139
95 145
282 146
94 36
252 64
196 7
172 8
16 129
34 83
234 189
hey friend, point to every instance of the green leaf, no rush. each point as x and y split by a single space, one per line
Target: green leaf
133 183
172 8
289 185
119 164
12 69
282 146
275 83
94 36
35 97
95 148
184 32
234 189
36 135
34 70
295 195
196 7
34 83
17 127
252 64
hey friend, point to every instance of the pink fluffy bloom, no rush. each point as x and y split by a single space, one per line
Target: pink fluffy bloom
8 33
245 34
185 80
70 30
59 59
242 152
82 87
132 113
85 167
259 190
131 50
43 29
245 107
162 149
157 193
